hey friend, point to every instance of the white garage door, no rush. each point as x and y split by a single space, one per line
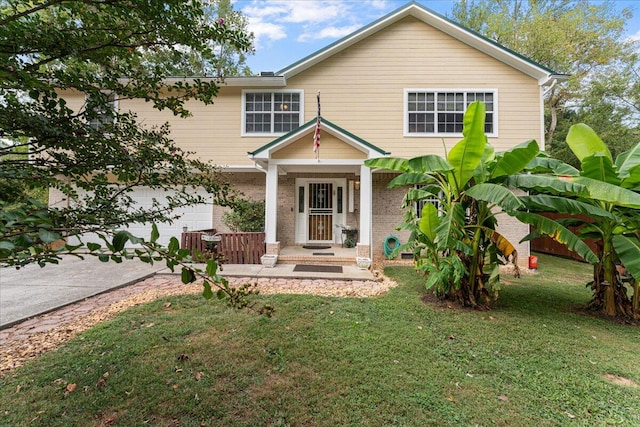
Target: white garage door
197 217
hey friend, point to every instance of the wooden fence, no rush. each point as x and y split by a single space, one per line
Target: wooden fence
547 245
233 248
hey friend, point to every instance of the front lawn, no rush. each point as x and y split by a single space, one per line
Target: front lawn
535 359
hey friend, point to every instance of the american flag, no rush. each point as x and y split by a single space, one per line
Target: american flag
316 133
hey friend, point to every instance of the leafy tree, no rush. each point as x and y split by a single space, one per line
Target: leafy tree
97 155
611 204
579 38
455 241
222 60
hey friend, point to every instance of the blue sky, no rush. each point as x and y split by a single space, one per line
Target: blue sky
289 30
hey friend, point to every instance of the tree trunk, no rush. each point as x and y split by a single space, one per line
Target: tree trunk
610 279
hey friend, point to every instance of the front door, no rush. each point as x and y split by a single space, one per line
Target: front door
320 205
320 212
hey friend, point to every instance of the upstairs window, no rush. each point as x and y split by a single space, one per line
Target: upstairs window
102 109
431 112
268 113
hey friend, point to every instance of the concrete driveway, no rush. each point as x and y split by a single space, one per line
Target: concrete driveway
33 290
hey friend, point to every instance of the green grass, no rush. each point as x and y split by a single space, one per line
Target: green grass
534 359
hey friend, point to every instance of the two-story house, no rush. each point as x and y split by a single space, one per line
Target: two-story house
398 86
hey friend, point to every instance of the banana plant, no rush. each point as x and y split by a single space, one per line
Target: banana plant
456 243
611 204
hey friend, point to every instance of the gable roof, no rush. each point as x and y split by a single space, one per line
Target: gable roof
541 73
265 151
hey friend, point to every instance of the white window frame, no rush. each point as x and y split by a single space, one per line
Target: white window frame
114 106
243 131
418 205
465 91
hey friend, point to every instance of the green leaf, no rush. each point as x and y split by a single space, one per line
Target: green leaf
409 179
429 221
104 258
496 194
93 246
558 233
207 293
119 240
188 275
547 184
174 245
628 161
221 294
609 193
449 227
212 268
584 142
389 163
155 234
467 153
514 160
599 167
429 163
548 203
628 250
7 245
550 165
47 236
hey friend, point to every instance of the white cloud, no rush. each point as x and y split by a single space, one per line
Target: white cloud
377 4
635 37
327 32
266 32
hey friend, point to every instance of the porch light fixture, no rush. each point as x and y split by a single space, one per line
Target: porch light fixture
284 107
357 185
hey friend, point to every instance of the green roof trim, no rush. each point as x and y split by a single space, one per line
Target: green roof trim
311 124
436 14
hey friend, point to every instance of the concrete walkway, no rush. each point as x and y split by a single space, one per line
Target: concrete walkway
32 291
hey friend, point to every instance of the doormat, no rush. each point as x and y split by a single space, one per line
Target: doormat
323 253
318 268
316 247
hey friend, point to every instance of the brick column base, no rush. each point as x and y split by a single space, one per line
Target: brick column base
273 248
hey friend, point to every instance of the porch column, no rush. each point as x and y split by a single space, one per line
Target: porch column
271 209
366 191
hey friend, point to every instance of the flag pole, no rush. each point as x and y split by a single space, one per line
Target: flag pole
316 133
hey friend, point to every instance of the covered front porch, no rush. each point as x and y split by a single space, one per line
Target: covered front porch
317 202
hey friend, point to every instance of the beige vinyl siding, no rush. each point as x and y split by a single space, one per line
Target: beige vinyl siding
330 148
362 91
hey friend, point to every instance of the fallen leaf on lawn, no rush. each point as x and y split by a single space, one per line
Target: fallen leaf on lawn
177 369
503 398
469 375
175 386
71 387
167 304
101 383
199 376
492 318
452 337
570 415
18 388
105 375
150 325
183 357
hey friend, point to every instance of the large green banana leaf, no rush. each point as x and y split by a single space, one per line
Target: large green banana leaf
429 163
544 164
410 179
609 193
496 194
467 153
627 161
429 221
549 184
559 233
548 203
584 142
450 227
514 160
628 250
391 163
599 167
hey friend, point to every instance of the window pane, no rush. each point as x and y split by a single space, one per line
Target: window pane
258 123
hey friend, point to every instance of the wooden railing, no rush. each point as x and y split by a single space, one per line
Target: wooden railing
192 240
233 248
241 248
